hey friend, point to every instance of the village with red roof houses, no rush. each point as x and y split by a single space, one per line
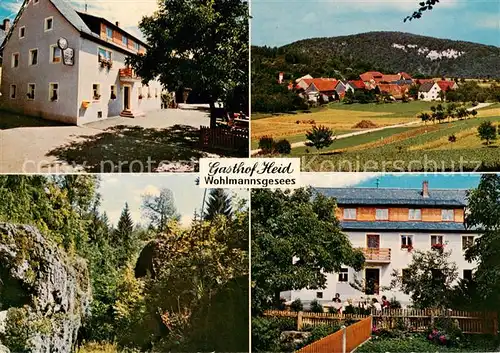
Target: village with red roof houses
392 87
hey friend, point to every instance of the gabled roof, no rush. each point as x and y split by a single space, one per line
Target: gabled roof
358 84
303 78
393 89
370 75
446 85
426 87
392 196
74 18
324 85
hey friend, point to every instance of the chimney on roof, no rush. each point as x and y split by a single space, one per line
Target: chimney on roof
117 24
425 189
6 24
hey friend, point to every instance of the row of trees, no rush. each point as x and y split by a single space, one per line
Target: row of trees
171 298
452 111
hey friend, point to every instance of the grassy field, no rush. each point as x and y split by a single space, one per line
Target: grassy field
410 109
424 148
339 117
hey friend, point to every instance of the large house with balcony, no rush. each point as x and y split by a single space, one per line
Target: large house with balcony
70 66
388 225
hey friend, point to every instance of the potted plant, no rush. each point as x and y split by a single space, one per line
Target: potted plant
140 96
85 104
407 247
54 97
30 96
97 97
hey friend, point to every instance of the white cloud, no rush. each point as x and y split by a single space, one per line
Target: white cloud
335 180
489 22
128 12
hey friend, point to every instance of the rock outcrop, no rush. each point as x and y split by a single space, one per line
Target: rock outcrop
46 293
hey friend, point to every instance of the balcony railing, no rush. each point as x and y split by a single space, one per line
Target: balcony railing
128 74
379 255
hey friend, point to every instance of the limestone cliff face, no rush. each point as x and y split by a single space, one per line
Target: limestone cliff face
44 293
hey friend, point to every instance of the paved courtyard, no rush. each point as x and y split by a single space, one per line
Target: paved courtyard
29 145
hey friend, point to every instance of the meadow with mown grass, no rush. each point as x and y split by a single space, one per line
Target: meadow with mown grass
448 145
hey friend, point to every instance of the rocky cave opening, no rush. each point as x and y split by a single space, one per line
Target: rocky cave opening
13 292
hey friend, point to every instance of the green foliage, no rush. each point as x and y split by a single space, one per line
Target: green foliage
266 144
431 279
266 332
320 331
297 305
206 49
283 147
484 207
21 326
159 210
316 307
395 304
487 131
218 203
297 225
320 137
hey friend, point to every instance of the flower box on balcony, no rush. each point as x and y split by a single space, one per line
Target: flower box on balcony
85 104
407 247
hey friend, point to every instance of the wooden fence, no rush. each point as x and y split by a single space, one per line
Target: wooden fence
223 139
413 319
421 320
345 340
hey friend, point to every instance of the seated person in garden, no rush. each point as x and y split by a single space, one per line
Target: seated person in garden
385 303
376 304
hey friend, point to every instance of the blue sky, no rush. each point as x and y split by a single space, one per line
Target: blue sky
436 180
118 189
279 22
127 12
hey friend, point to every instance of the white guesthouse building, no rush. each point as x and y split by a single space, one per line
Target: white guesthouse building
385 223
69 66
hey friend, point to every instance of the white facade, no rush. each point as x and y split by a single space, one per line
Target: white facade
399 259
431 95
37 30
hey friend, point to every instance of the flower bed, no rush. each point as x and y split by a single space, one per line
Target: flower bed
421 343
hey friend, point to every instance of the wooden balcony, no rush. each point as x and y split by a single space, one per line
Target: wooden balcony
377 255
128 75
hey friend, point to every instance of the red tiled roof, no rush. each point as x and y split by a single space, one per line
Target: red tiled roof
421 81
389 78
370 75
324 85
394 90
359 84
446 85
406 76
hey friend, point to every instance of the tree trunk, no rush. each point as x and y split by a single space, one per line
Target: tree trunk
213 116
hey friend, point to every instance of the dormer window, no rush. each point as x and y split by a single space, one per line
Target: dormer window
22 32
49 24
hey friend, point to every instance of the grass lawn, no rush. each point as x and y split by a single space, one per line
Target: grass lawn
296 138
339 120
418 343
425 148
348 142
10 120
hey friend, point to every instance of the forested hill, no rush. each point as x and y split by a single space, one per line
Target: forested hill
392 52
